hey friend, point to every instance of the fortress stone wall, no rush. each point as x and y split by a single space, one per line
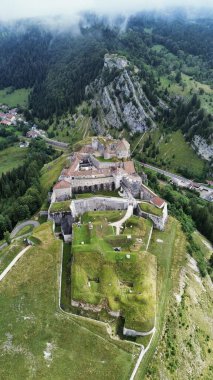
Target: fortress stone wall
92 184
80 206
61 194
104 164
134 333
158 221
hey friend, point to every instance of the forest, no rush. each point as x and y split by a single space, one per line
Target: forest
20 190
58 65
192 212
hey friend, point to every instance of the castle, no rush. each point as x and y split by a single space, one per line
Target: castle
105 165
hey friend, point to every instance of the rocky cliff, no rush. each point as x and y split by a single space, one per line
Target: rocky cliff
117 98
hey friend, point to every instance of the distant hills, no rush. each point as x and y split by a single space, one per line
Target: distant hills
64 68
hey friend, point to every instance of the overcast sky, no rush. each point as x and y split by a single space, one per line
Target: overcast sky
14 9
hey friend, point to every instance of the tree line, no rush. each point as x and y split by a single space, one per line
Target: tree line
20 189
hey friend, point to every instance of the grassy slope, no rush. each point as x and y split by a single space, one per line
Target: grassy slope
9 253
31 319
17 97
203 243
170 255
187 341
71 133
51 171
175 153
189 86
11 158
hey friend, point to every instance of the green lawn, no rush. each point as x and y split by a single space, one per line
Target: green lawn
98 193
14 98
60 206
105 216
150 209
125 279
38 339
11 158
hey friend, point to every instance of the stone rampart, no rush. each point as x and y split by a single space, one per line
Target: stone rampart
158 221
80 206
104 164
134 333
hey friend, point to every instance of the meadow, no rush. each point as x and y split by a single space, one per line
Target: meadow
14 98
11 158
38 340
174 154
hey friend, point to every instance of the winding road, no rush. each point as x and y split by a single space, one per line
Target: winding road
18 228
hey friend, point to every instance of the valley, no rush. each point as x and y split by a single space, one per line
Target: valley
106 191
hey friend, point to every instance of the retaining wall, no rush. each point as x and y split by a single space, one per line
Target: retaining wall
80 206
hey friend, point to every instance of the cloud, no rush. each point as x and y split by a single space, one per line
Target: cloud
15 9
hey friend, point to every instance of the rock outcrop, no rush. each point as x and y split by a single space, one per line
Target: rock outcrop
118 99
203 148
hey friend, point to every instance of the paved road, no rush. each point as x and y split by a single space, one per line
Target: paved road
59 144
119 223
167 174
22 225
13 262
18 228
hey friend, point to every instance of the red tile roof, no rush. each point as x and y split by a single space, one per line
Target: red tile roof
129 167
73 167
5 122
61 185
158 202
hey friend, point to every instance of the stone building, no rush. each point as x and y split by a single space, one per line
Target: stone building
109 148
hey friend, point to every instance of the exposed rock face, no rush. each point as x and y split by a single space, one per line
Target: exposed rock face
118 98
203 149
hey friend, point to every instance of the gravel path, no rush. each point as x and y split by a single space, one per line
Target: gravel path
13 262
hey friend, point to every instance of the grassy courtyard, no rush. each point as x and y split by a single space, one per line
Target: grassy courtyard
150 209
60 206
37 340
105 216
115 271
101 193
